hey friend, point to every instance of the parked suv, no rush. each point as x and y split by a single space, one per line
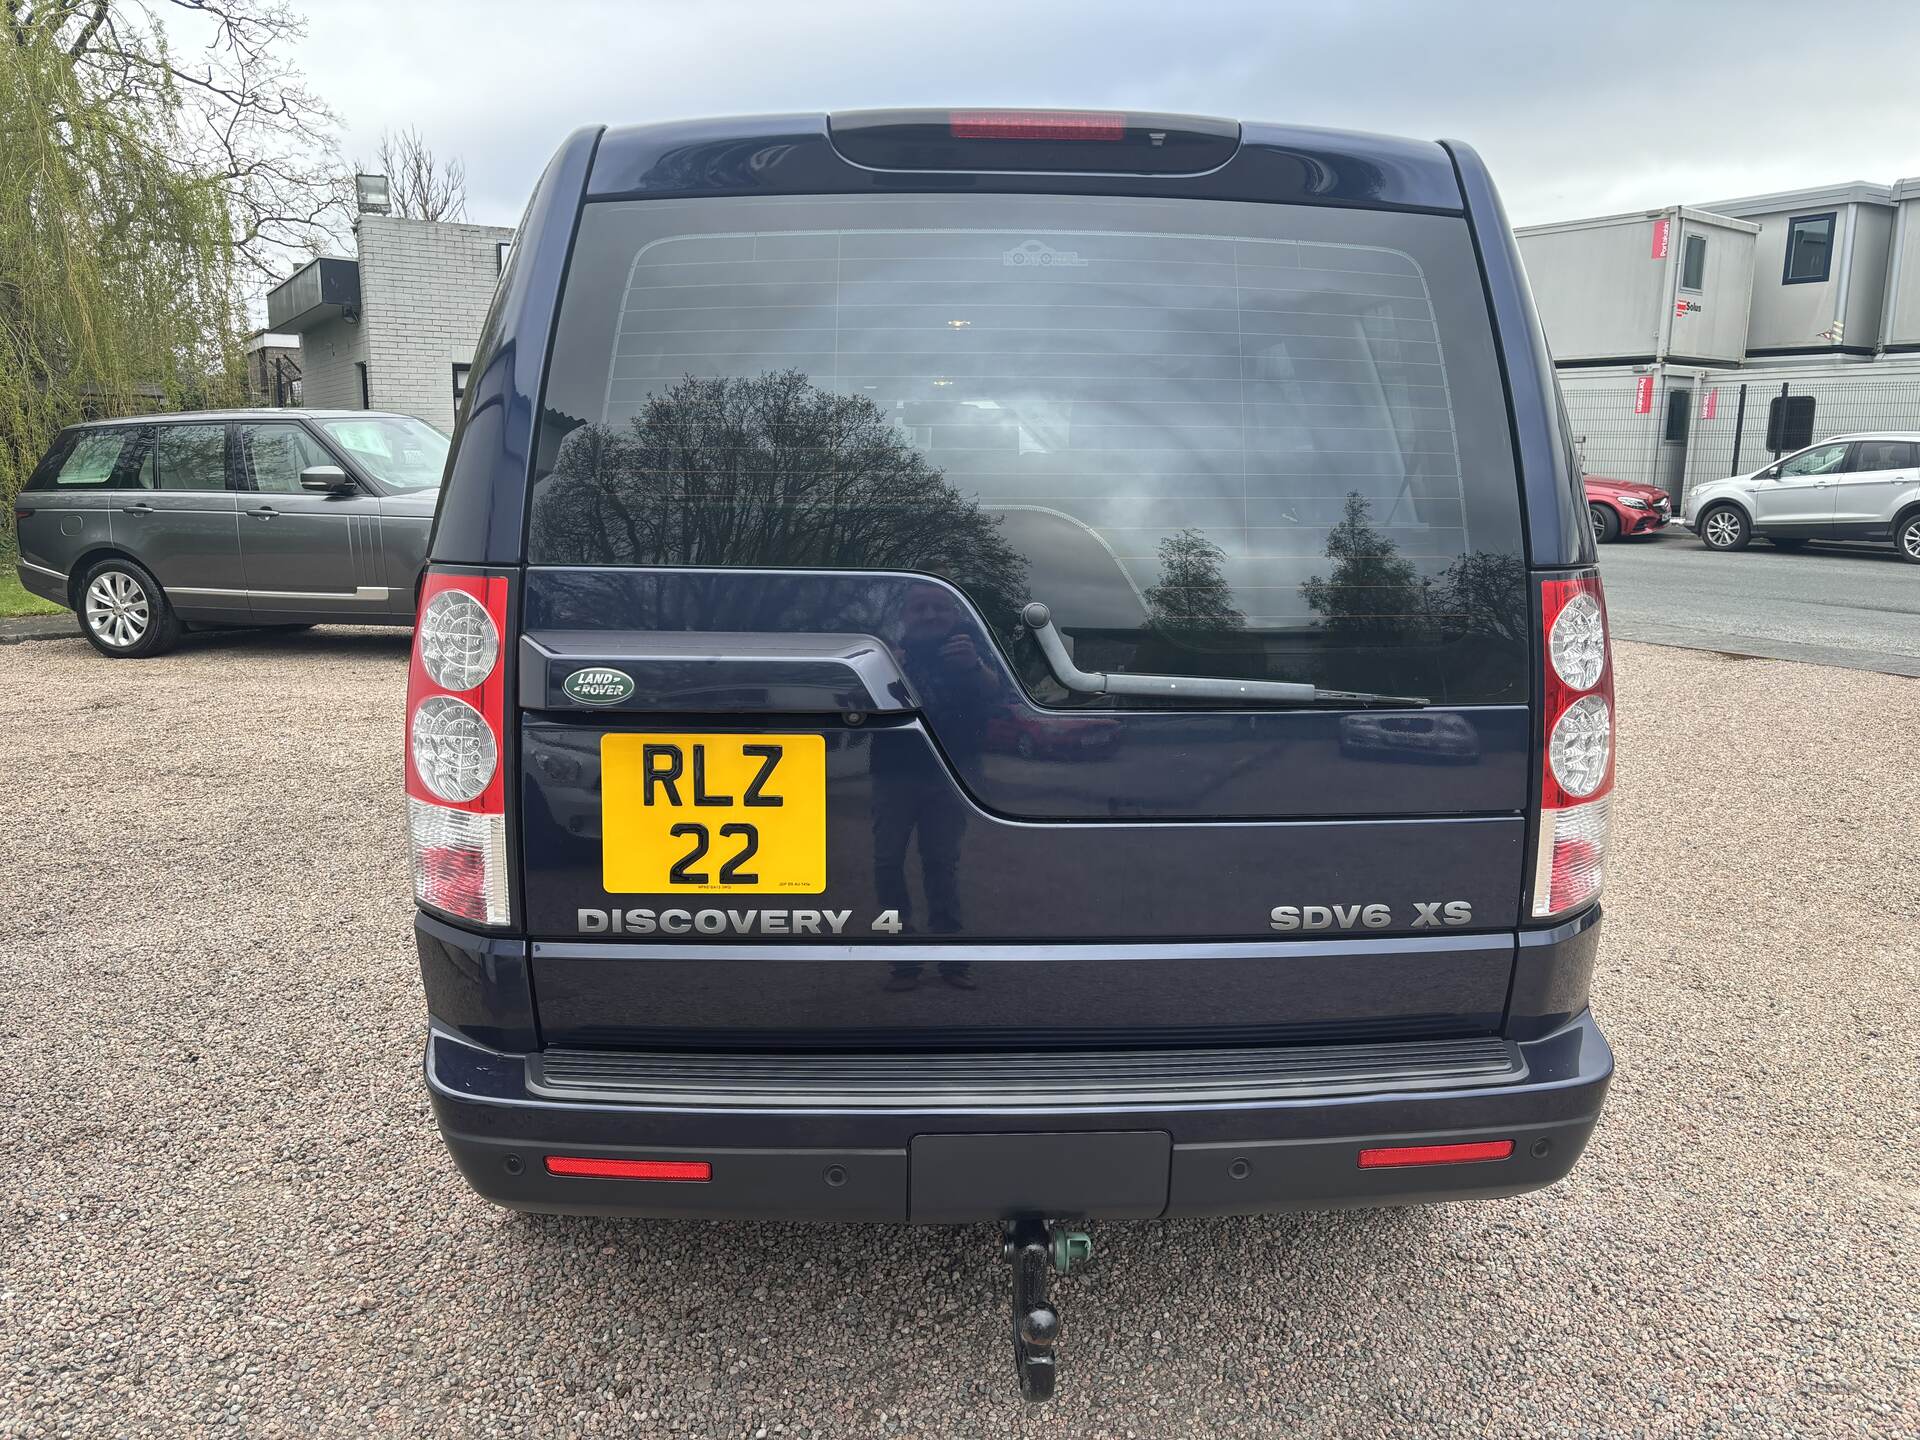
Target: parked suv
1849 487
801 453
148 526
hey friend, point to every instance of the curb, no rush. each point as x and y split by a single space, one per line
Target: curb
37 627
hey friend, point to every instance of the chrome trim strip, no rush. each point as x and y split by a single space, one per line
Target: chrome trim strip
365 592
43 569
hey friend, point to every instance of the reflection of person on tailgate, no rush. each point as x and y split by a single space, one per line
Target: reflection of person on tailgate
912 792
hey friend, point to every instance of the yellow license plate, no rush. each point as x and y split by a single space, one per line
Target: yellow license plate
713 813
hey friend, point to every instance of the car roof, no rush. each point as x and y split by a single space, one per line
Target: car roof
263 412
1871 435
795 154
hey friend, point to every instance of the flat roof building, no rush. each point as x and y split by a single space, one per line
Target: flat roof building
394 328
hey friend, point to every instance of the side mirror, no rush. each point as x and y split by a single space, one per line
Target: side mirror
327 478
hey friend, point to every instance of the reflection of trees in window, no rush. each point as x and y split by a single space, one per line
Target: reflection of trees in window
767 472
1192 599
1482 594
1371 590
1465 629
1190 612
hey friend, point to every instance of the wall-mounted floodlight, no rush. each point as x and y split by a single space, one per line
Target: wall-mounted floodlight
370 195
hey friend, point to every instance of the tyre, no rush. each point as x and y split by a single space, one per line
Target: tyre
123 611
1784 542
1906 539
1606 524
1725 527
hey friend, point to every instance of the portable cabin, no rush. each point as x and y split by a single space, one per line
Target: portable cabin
1654 287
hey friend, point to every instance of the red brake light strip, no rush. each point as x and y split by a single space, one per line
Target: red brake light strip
1036 125
1389 1157
587 1167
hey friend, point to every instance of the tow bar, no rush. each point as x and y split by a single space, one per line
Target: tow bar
1034 1247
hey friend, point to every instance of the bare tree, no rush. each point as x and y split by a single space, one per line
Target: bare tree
234 109
419 186
768 471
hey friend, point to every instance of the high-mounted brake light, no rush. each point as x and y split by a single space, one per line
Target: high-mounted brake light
586 1167
1577 759
1389 1157
456 732
1036 125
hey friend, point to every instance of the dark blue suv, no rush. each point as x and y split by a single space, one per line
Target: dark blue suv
1012 666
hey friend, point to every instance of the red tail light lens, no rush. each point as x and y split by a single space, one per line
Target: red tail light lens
456 732
1036 125
1577 759
589 1168
1389 1157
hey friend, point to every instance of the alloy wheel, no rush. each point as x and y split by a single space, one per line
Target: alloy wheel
1910 539
117 609
1722 529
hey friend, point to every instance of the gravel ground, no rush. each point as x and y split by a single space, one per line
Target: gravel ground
228 1213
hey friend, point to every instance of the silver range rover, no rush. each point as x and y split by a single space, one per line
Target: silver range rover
151 525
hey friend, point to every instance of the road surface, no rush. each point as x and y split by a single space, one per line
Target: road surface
1851 605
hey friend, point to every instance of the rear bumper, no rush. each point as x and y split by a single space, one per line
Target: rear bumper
48 584
938 1151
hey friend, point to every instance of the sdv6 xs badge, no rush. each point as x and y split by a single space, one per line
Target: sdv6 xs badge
1427 915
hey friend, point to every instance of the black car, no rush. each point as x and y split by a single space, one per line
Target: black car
802 450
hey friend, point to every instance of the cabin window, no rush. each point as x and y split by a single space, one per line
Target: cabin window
1809 248
1693 263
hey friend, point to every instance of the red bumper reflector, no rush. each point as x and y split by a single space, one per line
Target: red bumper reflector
1035 125
628 1169
1389 1156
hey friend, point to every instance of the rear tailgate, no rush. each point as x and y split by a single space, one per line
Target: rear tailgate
804 462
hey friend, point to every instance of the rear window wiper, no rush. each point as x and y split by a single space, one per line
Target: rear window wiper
1039 620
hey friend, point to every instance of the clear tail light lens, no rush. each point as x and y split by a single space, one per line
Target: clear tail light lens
460 862
1577 760
454 752
456 730
457 640
1577 643
1569 858
1581 745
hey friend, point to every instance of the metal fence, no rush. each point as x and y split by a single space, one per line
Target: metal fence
1677 430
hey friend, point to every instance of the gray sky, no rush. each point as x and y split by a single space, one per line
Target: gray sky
1580 109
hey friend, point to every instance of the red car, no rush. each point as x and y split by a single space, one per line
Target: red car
1620 507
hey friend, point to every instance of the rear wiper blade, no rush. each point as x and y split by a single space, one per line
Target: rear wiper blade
1039 620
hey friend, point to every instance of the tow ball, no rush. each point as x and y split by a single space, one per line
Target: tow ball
1035 1247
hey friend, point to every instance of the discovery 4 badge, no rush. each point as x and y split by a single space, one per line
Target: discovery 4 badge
598 685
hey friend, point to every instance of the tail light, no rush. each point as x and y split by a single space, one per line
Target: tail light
456 735
1577 760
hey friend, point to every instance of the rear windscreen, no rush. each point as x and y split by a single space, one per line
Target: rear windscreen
1215 438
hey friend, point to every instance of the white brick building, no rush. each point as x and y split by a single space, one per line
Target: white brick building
394 329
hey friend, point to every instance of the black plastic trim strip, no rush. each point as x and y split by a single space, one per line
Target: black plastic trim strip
973 1081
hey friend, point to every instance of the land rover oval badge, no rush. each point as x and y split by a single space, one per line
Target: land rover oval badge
597 685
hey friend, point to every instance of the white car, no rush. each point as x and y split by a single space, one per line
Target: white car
1849 487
